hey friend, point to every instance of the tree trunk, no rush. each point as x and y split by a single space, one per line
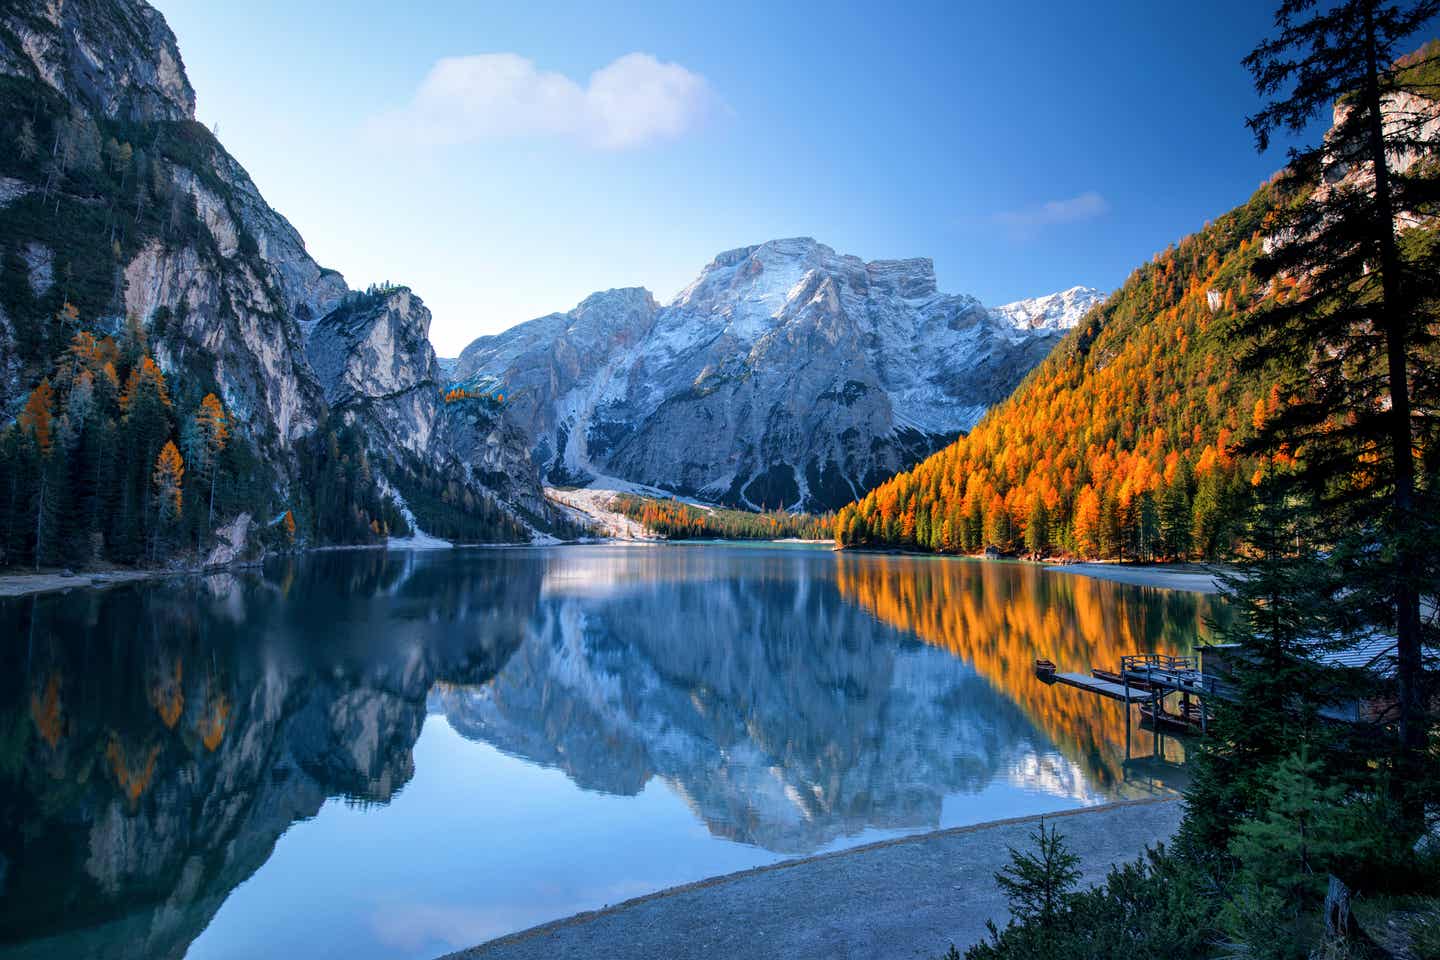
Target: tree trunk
1339 925
1409 664
40 514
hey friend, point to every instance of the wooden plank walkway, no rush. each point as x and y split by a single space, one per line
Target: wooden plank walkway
1105 688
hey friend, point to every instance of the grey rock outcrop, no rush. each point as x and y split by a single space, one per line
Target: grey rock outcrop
220 283
120 57
377 369
786 374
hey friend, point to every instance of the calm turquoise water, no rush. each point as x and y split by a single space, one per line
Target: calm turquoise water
362 754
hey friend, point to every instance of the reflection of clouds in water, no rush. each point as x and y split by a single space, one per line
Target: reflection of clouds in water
417 927
1051 773
781 694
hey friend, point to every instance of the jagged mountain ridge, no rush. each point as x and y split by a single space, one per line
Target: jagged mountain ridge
224 290
786 374
1057 311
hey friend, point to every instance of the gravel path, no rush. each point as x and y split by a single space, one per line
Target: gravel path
905 898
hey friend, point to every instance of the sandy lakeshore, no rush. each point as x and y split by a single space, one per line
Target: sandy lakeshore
904 898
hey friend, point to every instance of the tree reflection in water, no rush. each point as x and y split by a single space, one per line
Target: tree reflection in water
156 741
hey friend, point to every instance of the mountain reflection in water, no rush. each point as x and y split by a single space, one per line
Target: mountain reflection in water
157 741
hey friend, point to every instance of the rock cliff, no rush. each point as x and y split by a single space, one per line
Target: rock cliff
786 374
118 203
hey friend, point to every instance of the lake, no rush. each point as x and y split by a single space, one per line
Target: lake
368 754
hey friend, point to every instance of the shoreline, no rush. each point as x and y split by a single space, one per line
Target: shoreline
16 585
906 896
1184 577
1187 578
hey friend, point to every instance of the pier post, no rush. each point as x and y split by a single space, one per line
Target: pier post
1158 706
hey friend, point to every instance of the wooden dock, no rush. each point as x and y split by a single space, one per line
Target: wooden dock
1147 680
1105 688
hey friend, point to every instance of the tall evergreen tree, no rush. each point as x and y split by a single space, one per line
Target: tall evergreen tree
1283 598
1358 331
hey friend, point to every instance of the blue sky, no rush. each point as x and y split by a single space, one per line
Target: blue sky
507 159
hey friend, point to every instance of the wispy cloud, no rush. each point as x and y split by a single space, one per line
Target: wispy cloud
632 102
1086 206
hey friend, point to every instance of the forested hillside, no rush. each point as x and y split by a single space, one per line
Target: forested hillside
1123 443
1129 442
677 520
157 400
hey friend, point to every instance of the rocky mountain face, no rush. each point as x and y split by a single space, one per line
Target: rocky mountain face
373 357
220 285
786 374
1058 311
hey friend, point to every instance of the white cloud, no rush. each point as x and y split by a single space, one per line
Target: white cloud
634 101
1086 206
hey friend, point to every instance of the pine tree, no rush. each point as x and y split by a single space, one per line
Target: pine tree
1283 599
1039 884
1359 338
37 422
1302 833
213 431
1037 529
1175 517
145 427
25 143
169 477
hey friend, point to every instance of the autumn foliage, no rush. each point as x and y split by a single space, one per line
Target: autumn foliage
676 520
1126 443
94 467
169 475
456 394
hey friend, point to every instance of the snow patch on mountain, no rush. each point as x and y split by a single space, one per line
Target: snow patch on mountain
1057 311
785 374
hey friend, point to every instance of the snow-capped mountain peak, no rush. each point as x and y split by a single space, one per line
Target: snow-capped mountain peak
1056 311
785 374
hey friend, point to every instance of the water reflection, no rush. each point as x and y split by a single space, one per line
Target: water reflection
785 717
156 742
1001 617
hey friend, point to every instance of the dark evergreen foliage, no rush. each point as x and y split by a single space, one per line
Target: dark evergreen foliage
1358 341
1157 906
